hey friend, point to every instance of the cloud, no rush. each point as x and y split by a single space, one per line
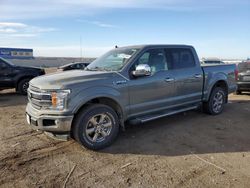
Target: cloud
10 27
30 9
24 35
100 24
12 24
97 23
149 4
16 29
7 30
69 51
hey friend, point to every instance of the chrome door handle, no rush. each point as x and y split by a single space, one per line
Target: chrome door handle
169 79
197 75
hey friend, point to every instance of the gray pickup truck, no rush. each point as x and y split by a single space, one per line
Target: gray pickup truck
132 84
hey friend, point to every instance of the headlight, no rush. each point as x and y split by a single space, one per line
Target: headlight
59 99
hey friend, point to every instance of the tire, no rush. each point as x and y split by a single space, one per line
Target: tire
238 92
96 126
23 86
215 104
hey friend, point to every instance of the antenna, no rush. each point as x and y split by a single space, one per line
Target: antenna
81 48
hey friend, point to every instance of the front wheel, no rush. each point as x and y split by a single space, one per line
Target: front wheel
216 101
96 127
23 86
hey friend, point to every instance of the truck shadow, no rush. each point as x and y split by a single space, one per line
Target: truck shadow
187 133
11 98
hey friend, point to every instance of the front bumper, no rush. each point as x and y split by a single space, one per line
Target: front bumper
243 86
58 124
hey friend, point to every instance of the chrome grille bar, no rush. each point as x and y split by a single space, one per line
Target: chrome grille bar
39 99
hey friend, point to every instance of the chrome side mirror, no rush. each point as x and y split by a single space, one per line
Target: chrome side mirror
142 70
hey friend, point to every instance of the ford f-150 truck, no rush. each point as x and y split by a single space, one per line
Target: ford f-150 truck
13 76
132 84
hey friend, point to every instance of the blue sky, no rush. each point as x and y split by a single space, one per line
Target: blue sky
55 27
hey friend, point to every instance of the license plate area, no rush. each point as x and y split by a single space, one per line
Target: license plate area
28 119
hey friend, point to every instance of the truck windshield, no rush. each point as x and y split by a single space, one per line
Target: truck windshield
6 62
113 60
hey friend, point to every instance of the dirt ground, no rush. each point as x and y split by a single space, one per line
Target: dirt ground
186 150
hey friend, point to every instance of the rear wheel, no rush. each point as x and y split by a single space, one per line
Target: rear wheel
23 86
96 127
216 101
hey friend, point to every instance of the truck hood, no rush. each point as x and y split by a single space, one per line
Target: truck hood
28 68
64 80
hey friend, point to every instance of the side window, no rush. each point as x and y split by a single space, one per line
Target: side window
144 59
180 58
2 64
155 58
83 66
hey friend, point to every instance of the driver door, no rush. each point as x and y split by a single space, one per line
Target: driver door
151 93
5 75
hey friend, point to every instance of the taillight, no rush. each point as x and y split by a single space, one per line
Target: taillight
236 73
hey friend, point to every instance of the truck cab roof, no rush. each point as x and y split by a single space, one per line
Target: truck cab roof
157 46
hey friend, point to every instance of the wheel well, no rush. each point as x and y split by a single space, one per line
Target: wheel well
222 84
109 102
103 100
22 78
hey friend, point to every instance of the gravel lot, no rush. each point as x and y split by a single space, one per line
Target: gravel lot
186 150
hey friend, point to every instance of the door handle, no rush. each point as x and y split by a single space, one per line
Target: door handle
197 75
169 79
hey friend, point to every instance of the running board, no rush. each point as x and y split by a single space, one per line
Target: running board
147 118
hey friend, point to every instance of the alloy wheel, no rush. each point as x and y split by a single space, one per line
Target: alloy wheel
99 127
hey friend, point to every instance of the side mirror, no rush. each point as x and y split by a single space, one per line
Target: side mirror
142 70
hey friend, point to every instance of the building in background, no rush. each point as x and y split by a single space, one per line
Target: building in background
16 53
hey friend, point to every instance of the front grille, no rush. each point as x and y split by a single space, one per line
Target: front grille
246 78
38 98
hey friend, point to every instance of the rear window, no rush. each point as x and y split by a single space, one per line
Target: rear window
213 62
180 58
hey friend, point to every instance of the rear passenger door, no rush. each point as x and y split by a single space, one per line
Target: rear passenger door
188 76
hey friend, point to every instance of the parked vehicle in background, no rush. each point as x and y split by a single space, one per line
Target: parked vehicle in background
73 66
243 80
12 76
212 61
132 84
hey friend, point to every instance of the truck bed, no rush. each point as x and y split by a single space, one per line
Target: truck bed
214 72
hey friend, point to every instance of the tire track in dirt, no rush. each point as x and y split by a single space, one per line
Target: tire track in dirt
13 162
24 134
21 158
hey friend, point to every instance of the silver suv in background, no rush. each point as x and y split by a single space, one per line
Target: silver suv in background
243 80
